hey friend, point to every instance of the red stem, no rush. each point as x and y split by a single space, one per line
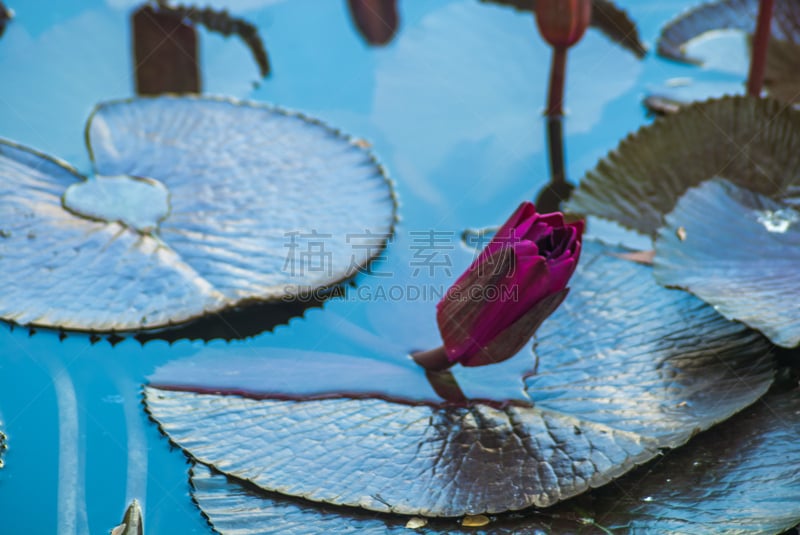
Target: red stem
555 94
555 146
760 44
433 359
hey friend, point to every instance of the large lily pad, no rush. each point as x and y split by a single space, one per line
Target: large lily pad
754 143
782 77
235 508
252 194
726 15
741 477
782 71
738 251
625 368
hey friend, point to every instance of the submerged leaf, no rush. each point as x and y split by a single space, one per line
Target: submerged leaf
754 143
738 251
254 192
625 368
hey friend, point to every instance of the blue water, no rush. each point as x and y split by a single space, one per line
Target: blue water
452 108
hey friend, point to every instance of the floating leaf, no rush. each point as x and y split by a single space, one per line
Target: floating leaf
782 70
625 368
726 15
738 251
740 478
754 143
235 508
782 77
253 192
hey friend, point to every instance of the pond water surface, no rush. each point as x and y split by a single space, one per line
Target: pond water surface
452 108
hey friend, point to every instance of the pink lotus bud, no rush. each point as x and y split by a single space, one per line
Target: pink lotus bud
518 280
563 22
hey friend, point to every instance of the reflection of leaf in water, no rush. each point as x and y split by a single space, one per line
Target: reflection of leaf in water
611 20
5 16
739 252
740 477
165 52
625 368
223 23
782 78
243 182
726 15
752 142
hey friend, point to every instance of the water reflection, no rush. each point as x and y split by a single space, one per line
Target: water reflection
609 19
165 45
5 16
239 323
376 20
491 145
165 52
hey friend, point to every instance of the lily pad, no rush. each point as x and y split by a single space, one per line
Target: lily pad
235 508
782 71
740 477
782 76
726 15
262 205
738 251
754 143
625 368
